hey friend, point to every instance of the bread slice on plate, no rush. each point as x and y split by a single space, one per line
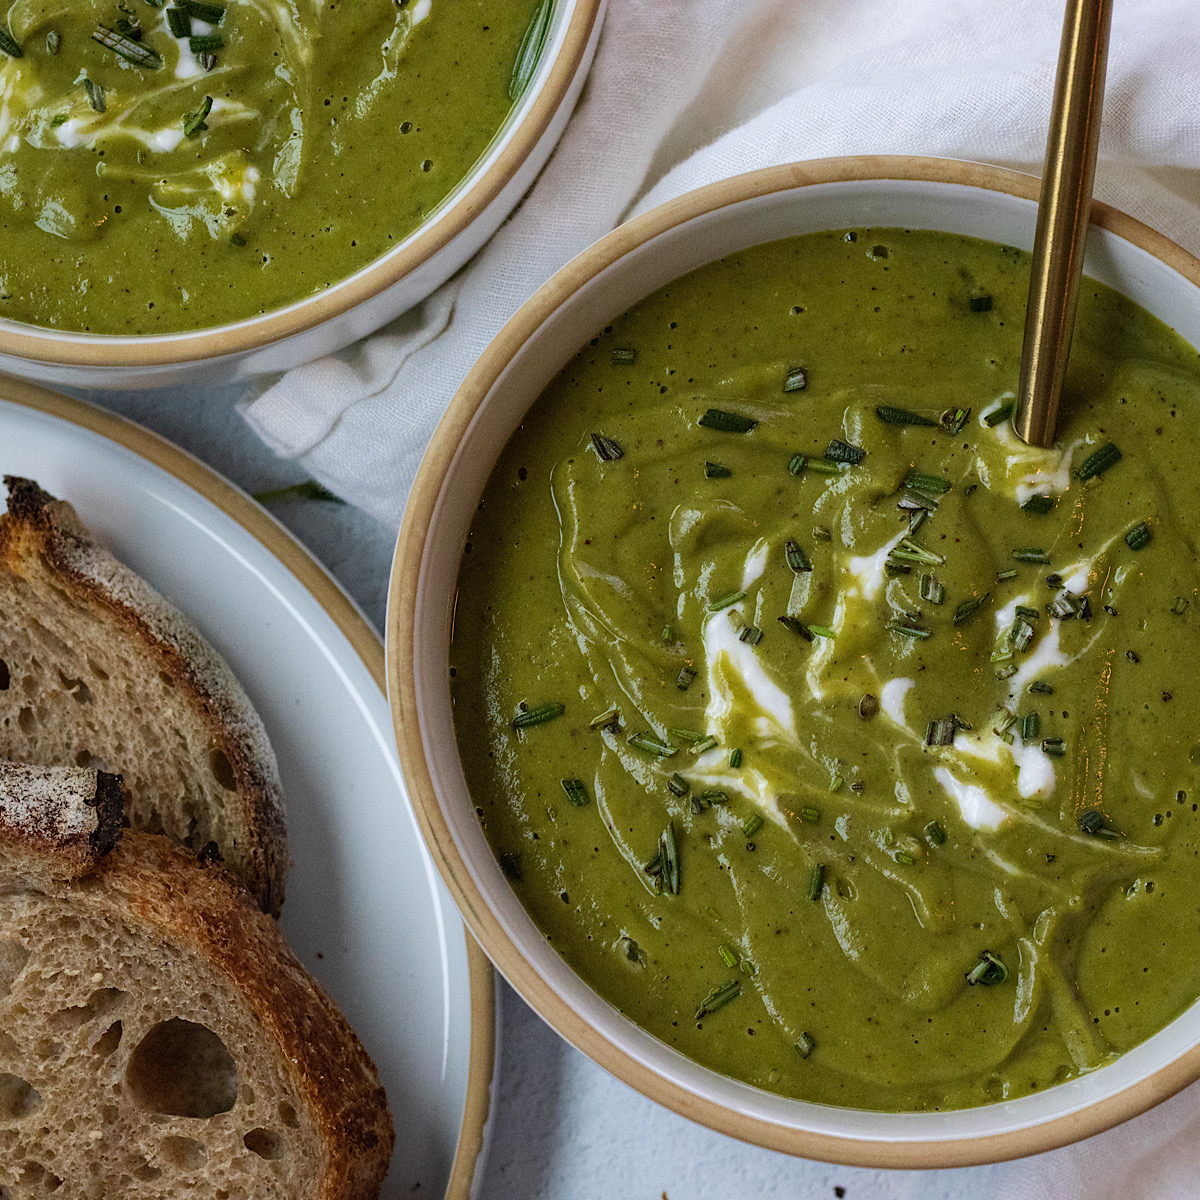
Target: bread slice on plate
97 670
158 1039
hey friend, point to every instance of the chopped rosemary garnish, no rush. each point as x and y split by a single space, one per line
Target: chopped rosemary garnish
576 792
1180 606
707 744
528 717
1001 576
9 44
725 601
1138 537
953 419
199 44
714 470
53 42
868 706
796 380
1053 747
810 814
1093 824
981 303
1053 579
687 735
796 464
624 356
901 416
1031 727
125 47
843 452
796 558
727 955
993 418
1039 687
752 824
893 570
1066 605
605 719
530 51
932 590
714 796
95 95
718 998
751 635
210 14
207 60
179 22
934 485
1038 504
606 449
1005 720
1031 554
906 550
989 971
1099 461
735 759
797 626
816 882
805 1045
1030 614
308 489
935 833
686 675
902 857
835 783
677 785
669 855
1021 634
193 122
1006 671
822 533
726 422
822 631
651 744
916 632
941 731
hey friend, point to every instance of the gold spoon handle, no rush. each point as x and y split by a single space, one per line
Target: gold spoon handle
1062 220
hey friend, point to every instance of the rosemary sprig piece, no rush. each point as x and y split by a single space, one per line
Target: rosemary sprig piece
178 21
125 47
816 882
752 824
989 970
210 14
1031 554
798 464
528 717
605 719
1099 461
9 44
941 731
1138 538
993 418
677 785
843 452
796 380
1094 825
965 608
916 632
980 303
735 759
194 122
686 675
935 833
95 95
805 1045
606 449
576 792
726 422
651 744
1038 504
906 550
901 416
796 558
953 420
932 589
714 470
669 854
626 355
718 998
205 42
751 635
53 41
725 601
933 485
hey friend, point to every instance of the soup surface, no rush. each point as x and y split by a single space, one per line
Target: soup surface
175 167
836 737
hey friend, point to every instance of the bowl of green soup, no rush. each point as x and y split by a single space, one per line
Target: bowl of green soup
202 190
806 749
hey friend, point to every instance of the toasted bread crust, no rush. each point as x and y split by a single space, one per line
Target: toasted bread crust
202 908
56 823
40 527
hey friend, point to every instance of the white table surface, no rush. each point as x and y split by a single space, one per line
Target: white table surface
564 1129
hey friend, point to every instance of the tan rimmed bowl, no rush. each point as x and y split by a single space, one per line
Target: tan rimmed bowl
360 304
604 281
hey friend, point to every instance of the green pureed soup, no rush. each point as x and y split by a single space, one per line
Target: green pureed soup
176 166
836 737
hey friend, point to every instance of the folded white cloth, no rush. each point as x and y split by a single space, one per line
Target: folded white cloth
685 92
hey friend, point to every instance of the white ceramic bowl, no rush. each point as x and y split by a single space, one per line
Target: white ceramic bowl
360 304
962 198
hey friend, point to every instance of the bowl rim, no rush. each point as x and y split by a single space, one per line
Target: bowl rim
405 585
71 348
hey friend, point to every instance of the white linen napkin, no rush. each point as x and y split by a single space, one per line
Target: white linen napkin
684 92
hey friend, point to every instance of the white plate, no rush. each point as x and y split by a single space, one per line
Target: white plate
365 910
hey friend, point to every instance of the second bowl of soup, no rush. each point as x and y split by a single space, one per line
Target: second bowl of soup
804 746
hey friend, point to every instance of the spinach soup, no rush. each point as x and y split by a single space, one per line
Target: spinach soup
178 164
835 736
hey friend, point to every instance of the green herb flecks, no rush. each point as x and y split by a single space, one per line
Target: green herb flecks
810 815
1031 727
714 470
1180 606
194 122
1094 825
931 485
953 420
821 631
993 418
868 706
752 824
843 452
751 635
210 14
1040 687
932 589
796 380
9 44
125 47
989 971
798 464
728 957
1138 538
576 792
735 759
677 785
965 608
816 882
1031 554
1054 747
1038 504
793 552
626 355
527 718
726 422
651 744
530 51
805 1045
308 489
908 630
901 416
718 998
684 680
941 731
722 602
906 550
95 95
606 449
1099 461
205 43
935 833
179 22
980 303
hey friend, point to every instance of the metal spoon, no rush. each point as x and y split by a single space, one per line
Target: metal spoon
1062 221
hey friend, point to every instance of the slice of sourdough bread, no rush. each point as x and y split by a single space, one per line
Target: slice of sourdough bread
159 1040
98 670
56 822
